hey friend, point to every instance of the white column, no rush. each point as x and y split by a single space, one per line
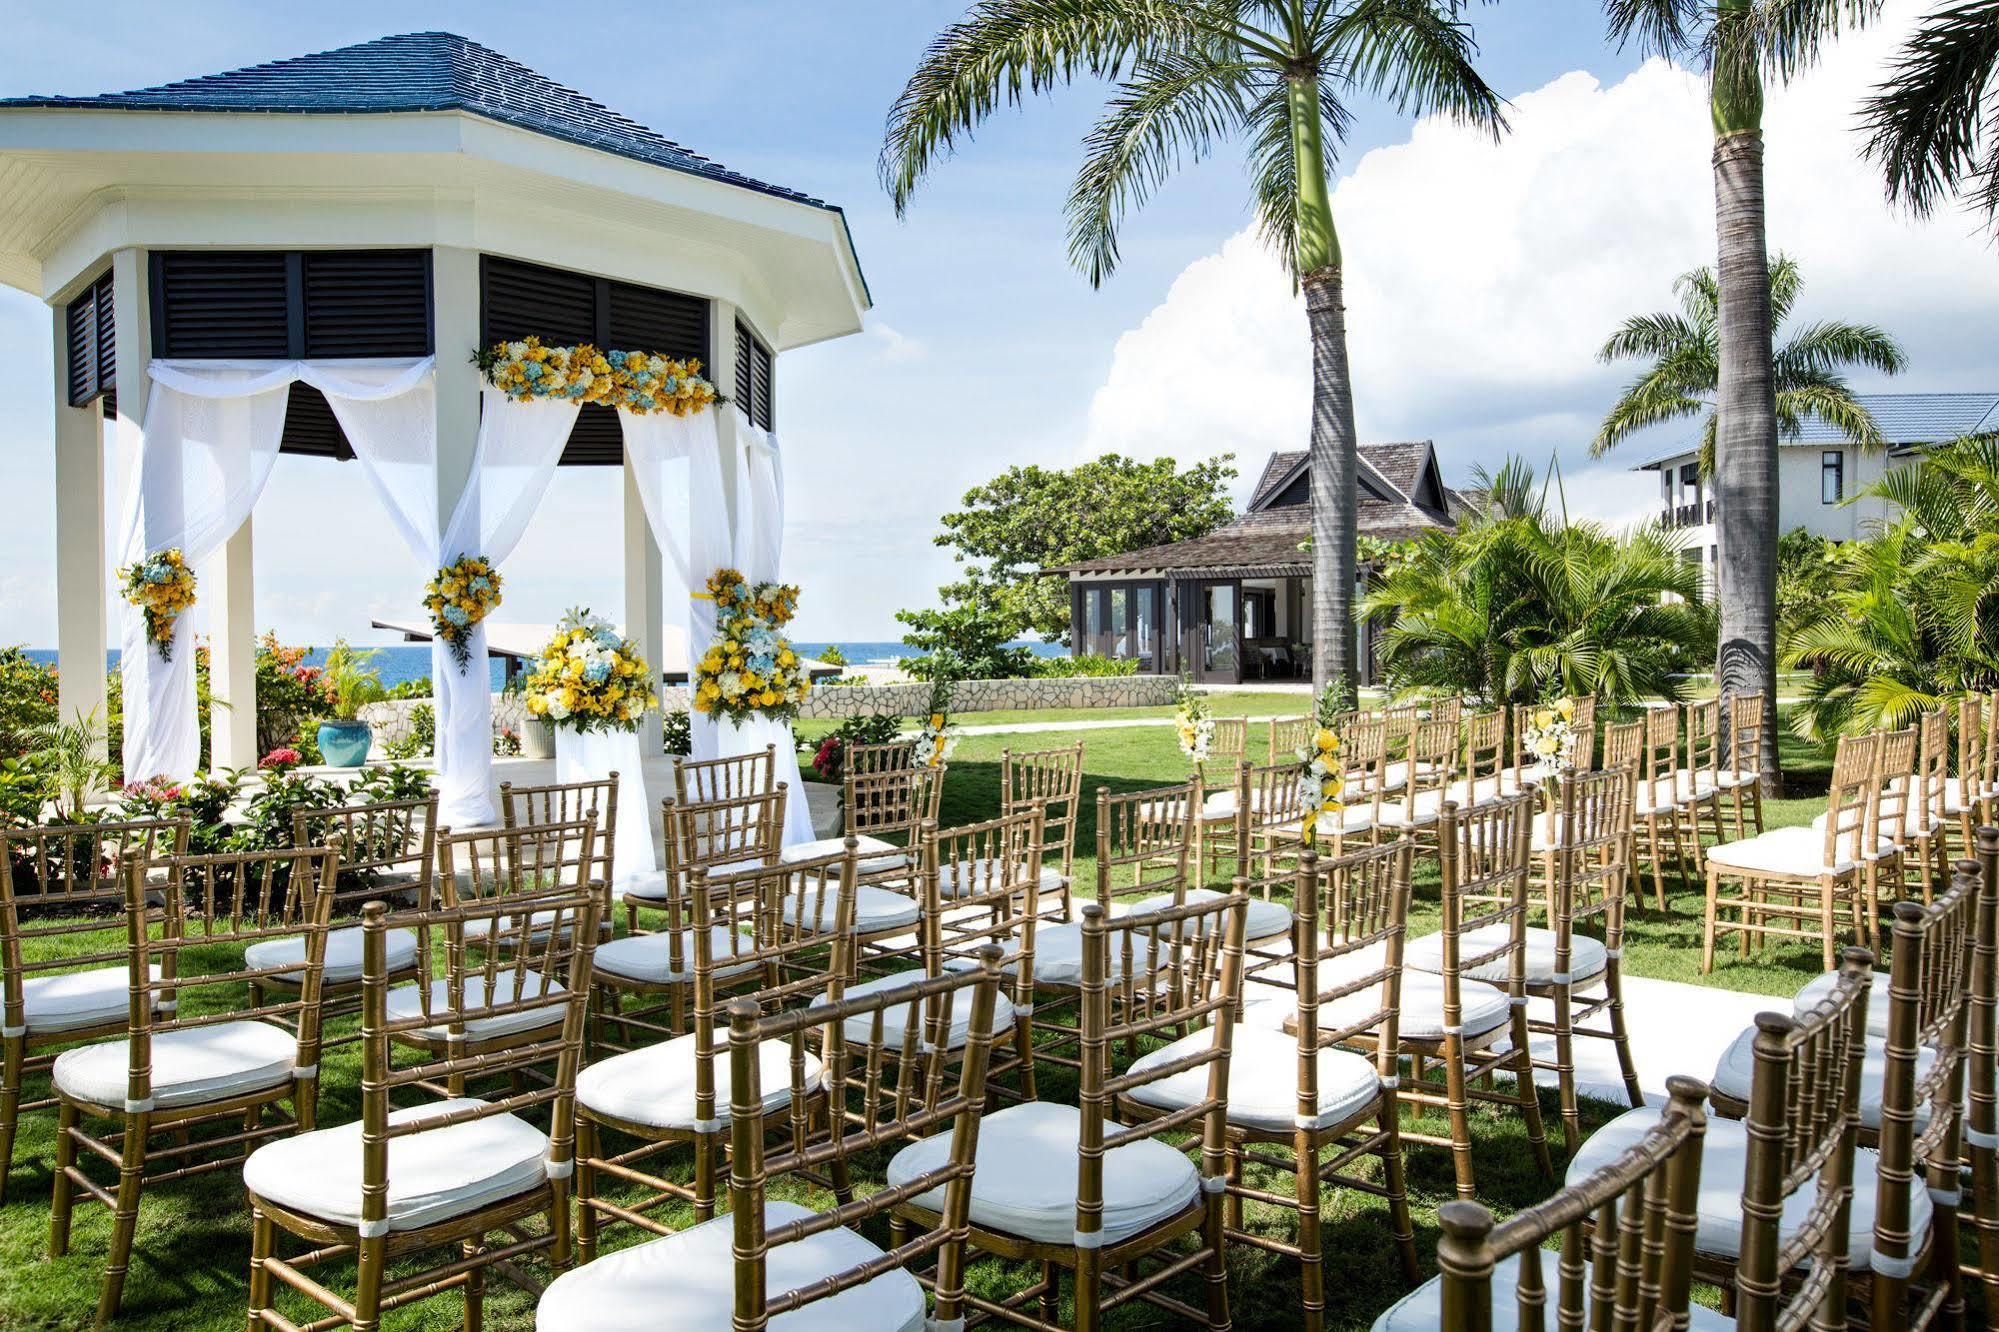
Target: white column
132 312
81 574
229 591
644 593
455 287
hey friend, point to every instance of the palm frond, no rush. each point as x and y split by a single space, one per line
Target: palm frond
1414 54
1928 123
1831 401
1656 27
1833 344
1273 167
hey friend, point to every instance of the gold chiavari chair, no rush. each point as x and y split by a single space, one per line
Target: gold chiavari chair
443 1171
880 805
504 929
772 1259
59 885
1270 825
1741 776
1450 707
1401 723
1967 800
869 760
1473 1027
1364 749
1214 836
1131 1196
1315 1065
1623 747
1145 849
387 851
1884 828
558 804
668 1097
1781 1213
1484 773
734 777
1627 1248
1697 782
1656 797
1052 778
1414 807
195 1066
1981 1118
1790 875
729 832
1289 737
1584 724
1921 835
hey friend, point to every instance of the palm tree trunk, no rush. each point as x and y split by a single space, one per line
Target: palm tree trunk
1333 451
1745 479
1334 485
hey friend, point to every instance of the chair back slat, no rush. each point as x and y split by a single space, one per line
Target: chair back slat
1288 737
730 832
1623 746
892 801
1932 769
1659 758
1485 748
387 848
1973 737
1145 841
1484 853
1851 798
1889 802
559 803
1587 825
1052 778
1704 737
863 760
1745 731
731 777
982 886
1353 906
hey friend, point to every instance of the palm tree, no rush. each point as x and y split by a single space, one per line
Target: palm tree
1684 350
1738 42
1188 75
1935 122
1518 603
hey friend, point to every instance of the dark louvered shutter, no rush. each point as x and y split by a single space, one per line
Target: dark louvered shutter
527 300
756 378
222 305
745 370
92 341
643 319
367 302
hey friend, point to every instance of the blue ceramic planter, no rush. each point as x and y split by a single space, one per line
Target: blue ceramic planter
344 744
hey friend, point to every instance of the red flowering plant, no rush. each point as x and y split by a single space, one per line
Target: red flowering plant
827 762
281 760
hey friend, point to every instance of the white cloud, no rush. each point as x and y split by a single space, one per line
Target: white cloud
893 346
1482 278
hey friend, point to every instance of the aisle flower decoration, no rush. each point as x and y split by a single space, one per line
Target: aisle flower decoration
1551 738
750 669
162 586
1324 778
635 381
936 738
461 594
1193 723
589 677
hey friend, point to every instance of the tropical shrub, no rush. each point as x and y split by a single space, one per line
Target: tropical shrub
966 640
420 739
829 759
1519 602
290 694
1088 664
676 728
830 655
27 699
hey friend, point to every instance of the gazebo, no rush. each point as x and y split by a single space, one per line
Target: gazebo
350 225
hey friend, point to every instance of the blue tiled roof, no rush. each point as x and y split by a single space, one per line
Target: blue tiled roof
422 71
1914 418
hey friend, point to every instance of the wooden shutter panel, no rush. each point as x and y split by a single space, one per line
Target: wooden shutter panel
644 319
745 371
92 338
763 384
221 305
367 302
520 300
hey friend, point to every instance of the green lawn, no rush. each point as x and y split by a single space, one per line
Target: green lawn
190 1260
1225 703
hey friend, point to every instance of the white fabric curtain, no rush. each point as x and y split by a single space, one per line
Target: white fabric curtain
211 437
513 462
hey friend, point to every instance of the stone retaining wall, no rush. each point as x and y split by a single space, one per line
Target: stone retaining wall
391 720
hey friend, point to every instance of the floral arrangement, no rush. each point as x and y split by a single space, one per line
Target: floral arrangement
636 381
460 595
937 738
161 585
281 760
1193 723
1551 737
750 669
588 677
1324 778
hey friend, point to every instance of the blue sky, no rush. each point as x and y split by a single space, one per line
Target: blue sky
1474 313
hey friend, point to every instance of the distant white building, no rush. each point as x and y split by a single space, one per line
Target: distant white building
1820 469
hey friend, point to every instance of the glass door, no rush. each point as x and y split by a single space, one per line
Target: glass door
1217 651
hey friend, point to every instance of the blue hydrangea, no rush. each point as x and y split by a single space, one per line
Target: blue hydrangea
532 369
617 359
597 671
456 615
481 583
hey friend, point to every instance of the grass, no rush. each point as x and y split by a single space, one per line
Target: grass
1227 703
190 1260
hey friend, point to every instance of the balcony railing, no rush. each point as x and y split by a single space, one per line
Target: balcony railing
1687 515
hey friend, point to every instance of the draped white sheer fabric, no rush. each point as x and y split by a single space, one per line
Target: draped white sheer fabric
585 756
513 462
211 437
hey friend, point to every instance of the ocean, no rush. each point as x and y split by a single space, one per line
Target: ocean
408 661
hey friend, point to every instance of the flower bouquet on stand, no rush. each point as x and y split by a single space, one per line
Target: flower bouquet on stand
1551 742
1324 777
751 669
1193 723
936 738
593 685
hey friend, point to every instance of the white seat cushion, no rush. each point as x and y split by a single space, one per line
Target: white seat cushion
1734 779
343 954
686 1282
895 1018
977 878
1263 1080
1736 1068
875 910
1025 1183
1482 1007
1353 818
876 856
1587 957
1468 792
1691 784
655 1085
191 1065
1799 852
73 1000
1915 823
433 1175
1649 798
406 1002
1954 792
1724 1155
1058 956
1427 808
649 957
651 886
1422 1309
1815 991
1262 920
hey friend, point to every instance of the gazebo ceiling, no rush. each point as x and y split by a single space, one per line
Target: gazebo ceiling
423 139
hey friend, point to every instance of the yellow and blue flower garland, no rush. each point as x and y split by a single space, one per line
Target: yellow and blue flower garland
635 381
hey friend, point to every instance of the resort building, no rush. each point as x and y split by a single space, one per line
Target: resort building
1236 604
1820 472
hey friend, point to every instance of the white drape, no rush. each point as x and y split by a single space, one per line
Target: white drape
513 462
584 756
211 437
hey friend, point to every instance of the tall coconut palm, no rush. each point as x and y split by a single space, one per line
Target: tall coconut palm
1186 76
1685 354
1738 43
1935 122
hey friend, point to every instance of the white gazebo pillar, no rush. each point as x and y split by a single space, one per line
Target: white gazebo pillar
81 574
229 591
455 300
132 313
644 598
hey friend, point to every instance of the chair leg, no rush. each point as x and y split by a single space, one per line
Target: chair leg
1215 1239
475 1286
1311 1260
1090 1289
1829 946
1530 1101
62 1204
586 1188
263 1237
1023 1044
1565 1070
1708 922
707 1146
1613 980
13 1059
1458 1106
1393 1174
125 1215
